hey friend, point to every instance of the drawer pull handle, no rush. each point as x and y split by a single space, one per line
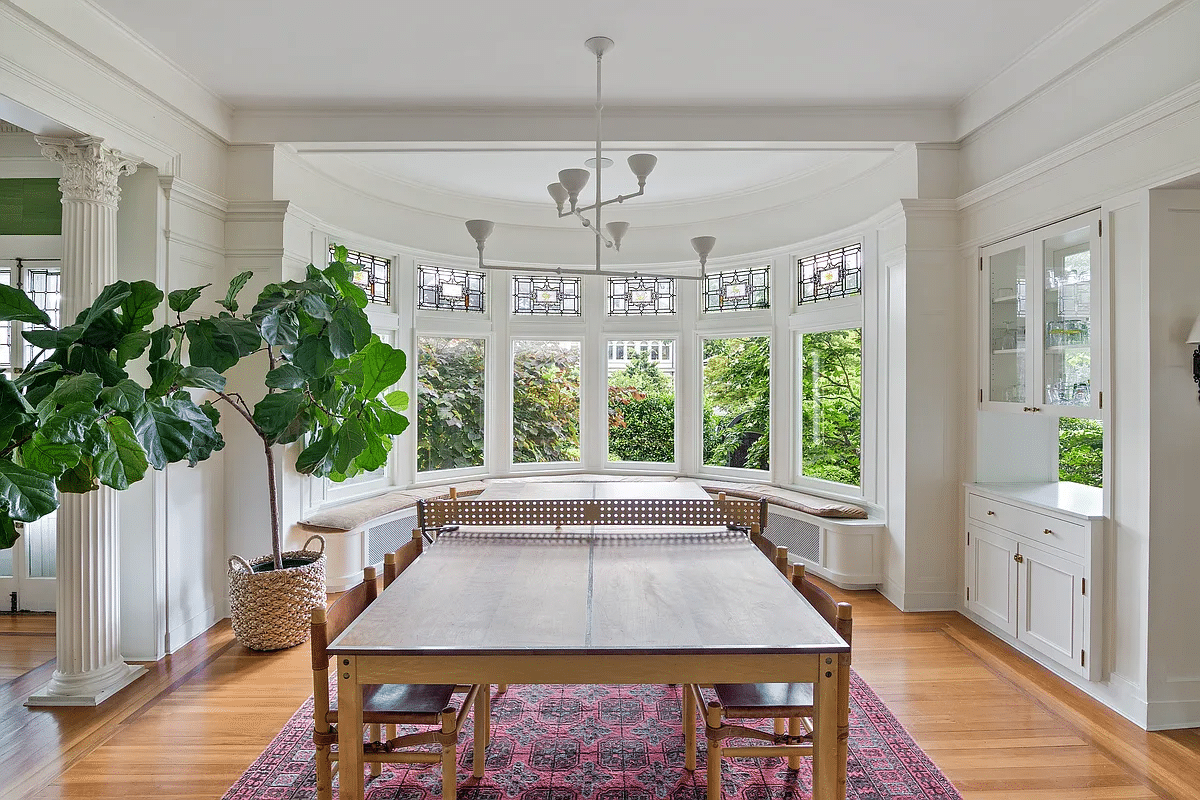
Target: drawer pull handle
1048 532
991 513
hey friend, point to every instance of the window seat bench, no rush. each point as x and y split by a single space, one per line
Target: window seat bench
839 541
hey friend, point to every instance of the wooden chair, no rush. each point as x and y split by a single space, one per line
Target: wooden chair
789 704
388 704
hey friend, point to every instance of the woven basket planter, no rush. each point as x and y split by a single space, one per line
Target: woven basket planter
272 609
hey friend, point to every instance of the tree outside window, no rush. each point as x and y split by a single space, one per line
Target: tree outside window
641 411
737 402
545 401
831 406
450 402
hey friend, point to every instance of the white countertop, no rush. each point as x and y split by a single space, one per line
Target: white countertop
1071 498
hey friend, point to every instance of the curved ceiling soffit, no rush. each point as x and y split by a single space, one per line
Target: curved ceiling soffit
374 184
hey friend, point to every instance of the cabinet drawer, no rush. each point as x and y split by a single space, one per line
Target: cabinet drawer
1070 537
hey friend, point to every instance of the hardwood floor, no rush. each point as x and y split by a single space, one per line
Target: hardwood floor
998 725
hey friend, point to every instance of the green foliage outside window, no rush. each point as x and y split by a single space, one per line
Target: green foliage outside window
737 402
545 402
1081 451
641 413
831 405
450 403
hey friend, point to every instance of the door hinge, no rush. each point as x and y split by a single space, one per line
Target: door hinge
968 594
981 395
1083 586
981 263
968 538
1099 227
1102 400
1083 658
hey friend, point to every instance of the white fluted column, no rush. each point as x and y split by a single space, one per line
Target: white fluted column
88 622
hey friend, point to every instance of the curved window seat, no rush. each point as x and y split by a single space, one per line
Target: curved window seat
839 541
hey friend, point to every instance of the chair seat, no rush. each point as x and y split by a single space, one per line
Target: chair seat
402 703
757 700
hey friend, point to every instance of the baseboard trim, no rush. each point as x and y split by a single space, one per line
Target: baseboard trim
180 635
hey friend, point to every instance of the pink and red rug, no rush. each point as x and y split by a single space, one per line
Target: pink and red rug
610 743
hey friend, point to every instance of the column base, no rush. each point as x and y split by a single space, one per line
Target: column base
93 697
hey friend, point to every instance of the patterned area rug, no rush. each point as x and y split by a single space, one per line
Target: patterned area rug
609 743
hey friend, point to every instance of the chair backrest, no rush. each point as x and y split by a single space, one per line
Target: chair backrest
328 623
397 562
838 615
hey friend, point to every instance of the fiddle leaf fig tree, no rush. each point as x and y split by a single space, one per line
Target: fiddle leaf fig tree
328 377
76 419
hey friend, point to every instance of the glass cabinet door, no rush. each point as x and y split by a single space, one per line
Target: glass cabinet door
1067 319
1008 325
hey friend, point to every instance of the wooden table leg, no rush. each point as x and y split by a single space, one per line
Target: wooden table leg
825 725
350 730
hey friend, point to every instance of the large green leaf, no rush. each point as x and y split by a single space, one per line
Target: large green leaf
110 297
376 453
163 435
163 375
349 331
50 339
389 422
383 365
78 479
205 437
160 342
314 459
125 397
49 458
316 306
131 346
83 388
181 300
351 291
125 462
70 423
214 343
287 376
280 327
397 400
25 494
348 443
91 359
313 356
8 531
14 411
276 411
235 286
15 304
137 310
202 378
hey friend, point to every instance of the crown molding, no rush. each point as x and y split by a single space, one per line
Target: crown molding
572 123
194 197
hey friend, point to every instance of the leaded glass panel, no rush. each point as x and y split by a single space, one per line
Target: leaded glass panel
638 296
42 284
445 289
738 289
372 273
836 273
546 295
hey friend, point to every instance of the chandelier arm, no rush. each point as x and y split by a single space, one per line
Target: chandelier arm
615 273
621 198
600 237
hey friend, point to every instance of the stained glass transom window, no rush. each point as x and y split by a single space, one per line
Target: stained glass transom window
639 296
372 273
836 273
738 289
546 295
445 289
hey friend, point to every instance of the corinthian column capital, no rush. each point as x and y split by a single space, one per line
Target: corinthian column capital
90 170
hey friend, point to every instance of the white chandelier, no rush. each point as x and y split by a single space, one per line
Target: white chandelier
570 184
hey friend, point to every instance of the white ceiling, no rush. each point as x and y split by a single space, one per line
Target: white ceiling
502 55
852 52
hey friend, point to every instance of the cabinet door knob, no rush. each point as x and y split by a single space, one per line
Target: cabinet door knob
1048 532
991 513
1020 559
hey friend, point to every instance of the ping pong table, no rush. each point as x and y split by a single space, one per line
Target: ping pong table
590 604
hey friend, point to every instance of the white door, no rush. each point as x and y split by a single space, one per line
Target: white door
992 578
1050 597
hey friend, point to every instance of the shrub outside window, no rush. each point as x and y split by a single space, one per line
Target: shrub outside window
737 402
450 402
831 406
545 401
641 404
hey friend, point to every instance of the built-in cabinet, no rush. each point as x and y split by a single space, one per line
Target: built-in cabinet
1034 561
1042 321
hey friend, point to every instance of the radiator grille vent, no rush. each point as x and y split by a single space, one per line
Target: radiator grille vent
388 536
801 538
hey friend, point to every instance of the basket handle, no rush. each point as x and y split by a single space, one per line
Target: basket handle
320 539
240 562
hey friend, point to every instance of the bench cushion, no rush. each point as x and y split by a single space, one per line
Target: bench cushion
351 515
788 498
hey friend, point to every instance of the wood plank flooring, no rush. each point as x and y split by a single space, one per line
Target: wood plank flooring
998 725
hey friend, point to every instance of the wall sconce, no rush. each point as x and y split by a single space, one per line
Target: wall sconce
1194 338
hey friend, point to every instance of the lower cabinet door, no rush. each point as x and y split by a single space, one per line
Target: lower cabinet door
992 578
1051 604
